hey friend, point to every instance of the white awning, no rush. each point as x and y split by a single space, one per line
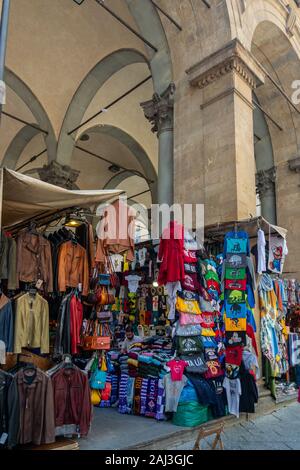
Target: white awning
23 198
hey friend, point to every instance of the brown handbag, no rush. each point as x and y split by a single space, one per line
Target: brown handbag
101 341
102 295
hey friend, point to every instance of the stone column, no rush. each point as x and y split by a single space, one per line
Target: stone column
59 175
265 187
225 159
160 112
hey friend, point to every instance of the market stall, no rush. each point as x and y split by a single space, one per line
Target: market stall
168 330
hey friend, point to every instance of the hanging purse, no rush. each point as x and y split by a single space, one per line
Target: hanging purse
105 315
101 338
102 295
104 279
98 380
95 397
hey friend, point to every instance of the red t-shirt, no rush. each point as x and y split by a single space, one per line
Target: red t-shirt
177 369
189 256
251 334
234 355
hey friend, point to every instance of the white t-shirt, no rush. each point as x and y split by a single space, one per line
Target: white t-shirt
233 392
133 282
261 252
142 256
173 390
117 261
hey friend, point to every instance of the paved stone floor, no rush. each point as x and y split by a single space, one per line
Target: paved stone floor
277 431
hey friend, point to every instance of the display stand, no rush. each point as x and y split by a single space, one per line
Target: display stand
206 431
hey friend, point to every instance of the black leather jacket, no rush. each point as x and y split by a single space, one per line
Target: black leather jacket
9 409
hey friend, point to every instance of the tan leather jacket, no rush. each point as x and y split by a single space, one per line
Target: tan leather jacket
34 260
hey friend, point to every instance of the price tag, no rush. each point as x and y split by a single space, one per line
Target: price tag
80 287
39 283
3 438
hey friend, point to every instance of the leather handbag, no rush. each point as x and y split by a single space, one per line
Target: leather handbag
102 295
101 337
104 279
105 315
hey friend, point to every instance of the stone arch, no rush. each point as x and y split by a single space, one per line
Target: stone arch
149 23
136 149
279 55
29 98
86 91
17 145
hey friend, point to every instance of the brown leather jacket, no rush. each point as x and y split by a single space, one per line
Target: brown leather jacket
34 260
36 408
73 267
72 399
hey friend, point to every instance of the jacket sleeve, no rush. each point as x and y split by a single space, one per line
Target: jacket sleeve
49 423
100 253
61 268
91 246
9 328
45 327
86 274
13 414
19 256
86 410
13 281
49 268
18 326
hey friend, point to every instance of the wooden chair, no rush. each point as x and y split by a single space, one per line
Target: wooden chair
206 431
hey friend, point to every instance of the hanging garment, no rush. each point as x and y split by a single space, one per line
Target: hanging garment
236 243
9 410
277 253
72 399
261 252
172 288
251 362
63 333
6 323
294 349
8 261
249 392
177 368
171 254
34 259
73 267
85 236
36 407
173 391
116 231
76 317
269 342
206 395
233 392
31 323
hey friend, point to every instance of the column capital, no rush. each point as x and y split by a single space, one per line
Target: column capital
265 180
233 58
159 110
59 175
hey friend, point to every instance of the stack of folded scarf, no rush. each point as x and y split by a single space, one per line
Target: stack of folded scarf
123 361
114 388
148 366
